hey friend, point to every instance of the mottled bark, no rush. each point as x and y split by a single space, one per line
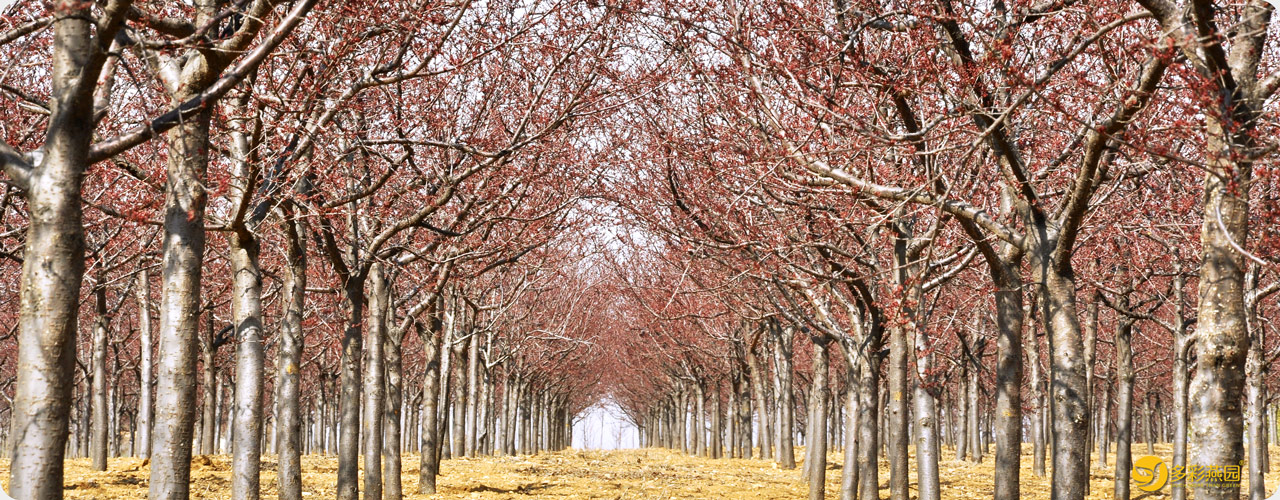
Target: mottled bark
1124 403
349 392
1008 410
100 409
392 489
432 341
183 248
816 449
143 290
374 392
898 437
288 377
53 254
782 349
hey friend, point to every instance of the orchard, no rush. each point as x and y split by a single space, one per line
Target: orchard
853 247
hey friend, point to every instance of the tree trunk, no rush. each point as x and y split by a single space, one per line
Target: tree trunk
898 437
1070 411
975 416
246 312
1008 411
470 431
288 423
962 433
375 383
392 489
349 397
100 409
1255 399
1124 404
816 452
1222 335
699 419
1038 429
433 344
208 384
1091 358
1182 345
849 470
764 428
868 417
782 349
143 291
183 247
715 446
53 266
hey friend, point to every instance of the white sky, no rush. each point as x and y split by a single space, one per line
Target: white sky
602 427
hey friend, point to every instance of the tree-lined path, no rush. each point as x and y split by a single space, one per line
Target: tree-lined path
317 247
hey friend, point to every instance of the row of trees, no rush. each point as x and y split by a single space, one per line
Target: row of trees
998 216
352 228
440 226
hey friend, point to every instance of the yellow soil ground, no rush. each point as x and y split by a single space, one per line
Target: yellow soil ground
630 474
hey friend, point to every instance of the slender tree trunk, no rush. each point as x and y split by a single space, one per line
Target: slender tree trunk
715 446
1181 380
100 409
349 392
786 408
288 424
470 433
1124 404
928 446
962 433
375 383
897 435
1091 357
868 418
433 344
1254 396
392 489
755 372
143 291
699 419
1104 446
816 452
208 384
246 311
1037 399
975 417
1008 411
849 470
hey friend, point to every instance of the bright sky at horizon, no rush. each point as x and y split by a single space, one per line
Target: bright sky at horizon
603 427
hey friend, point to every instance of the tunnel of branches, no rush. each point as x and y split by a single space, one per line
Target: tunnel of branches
400 231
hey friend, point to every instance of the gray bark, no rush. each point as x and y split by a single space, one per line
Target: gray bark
289 423
1124 404
99 409
782 348
183 248
392 489
432 341
246 313
816 452
53 256
143 291
375 383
